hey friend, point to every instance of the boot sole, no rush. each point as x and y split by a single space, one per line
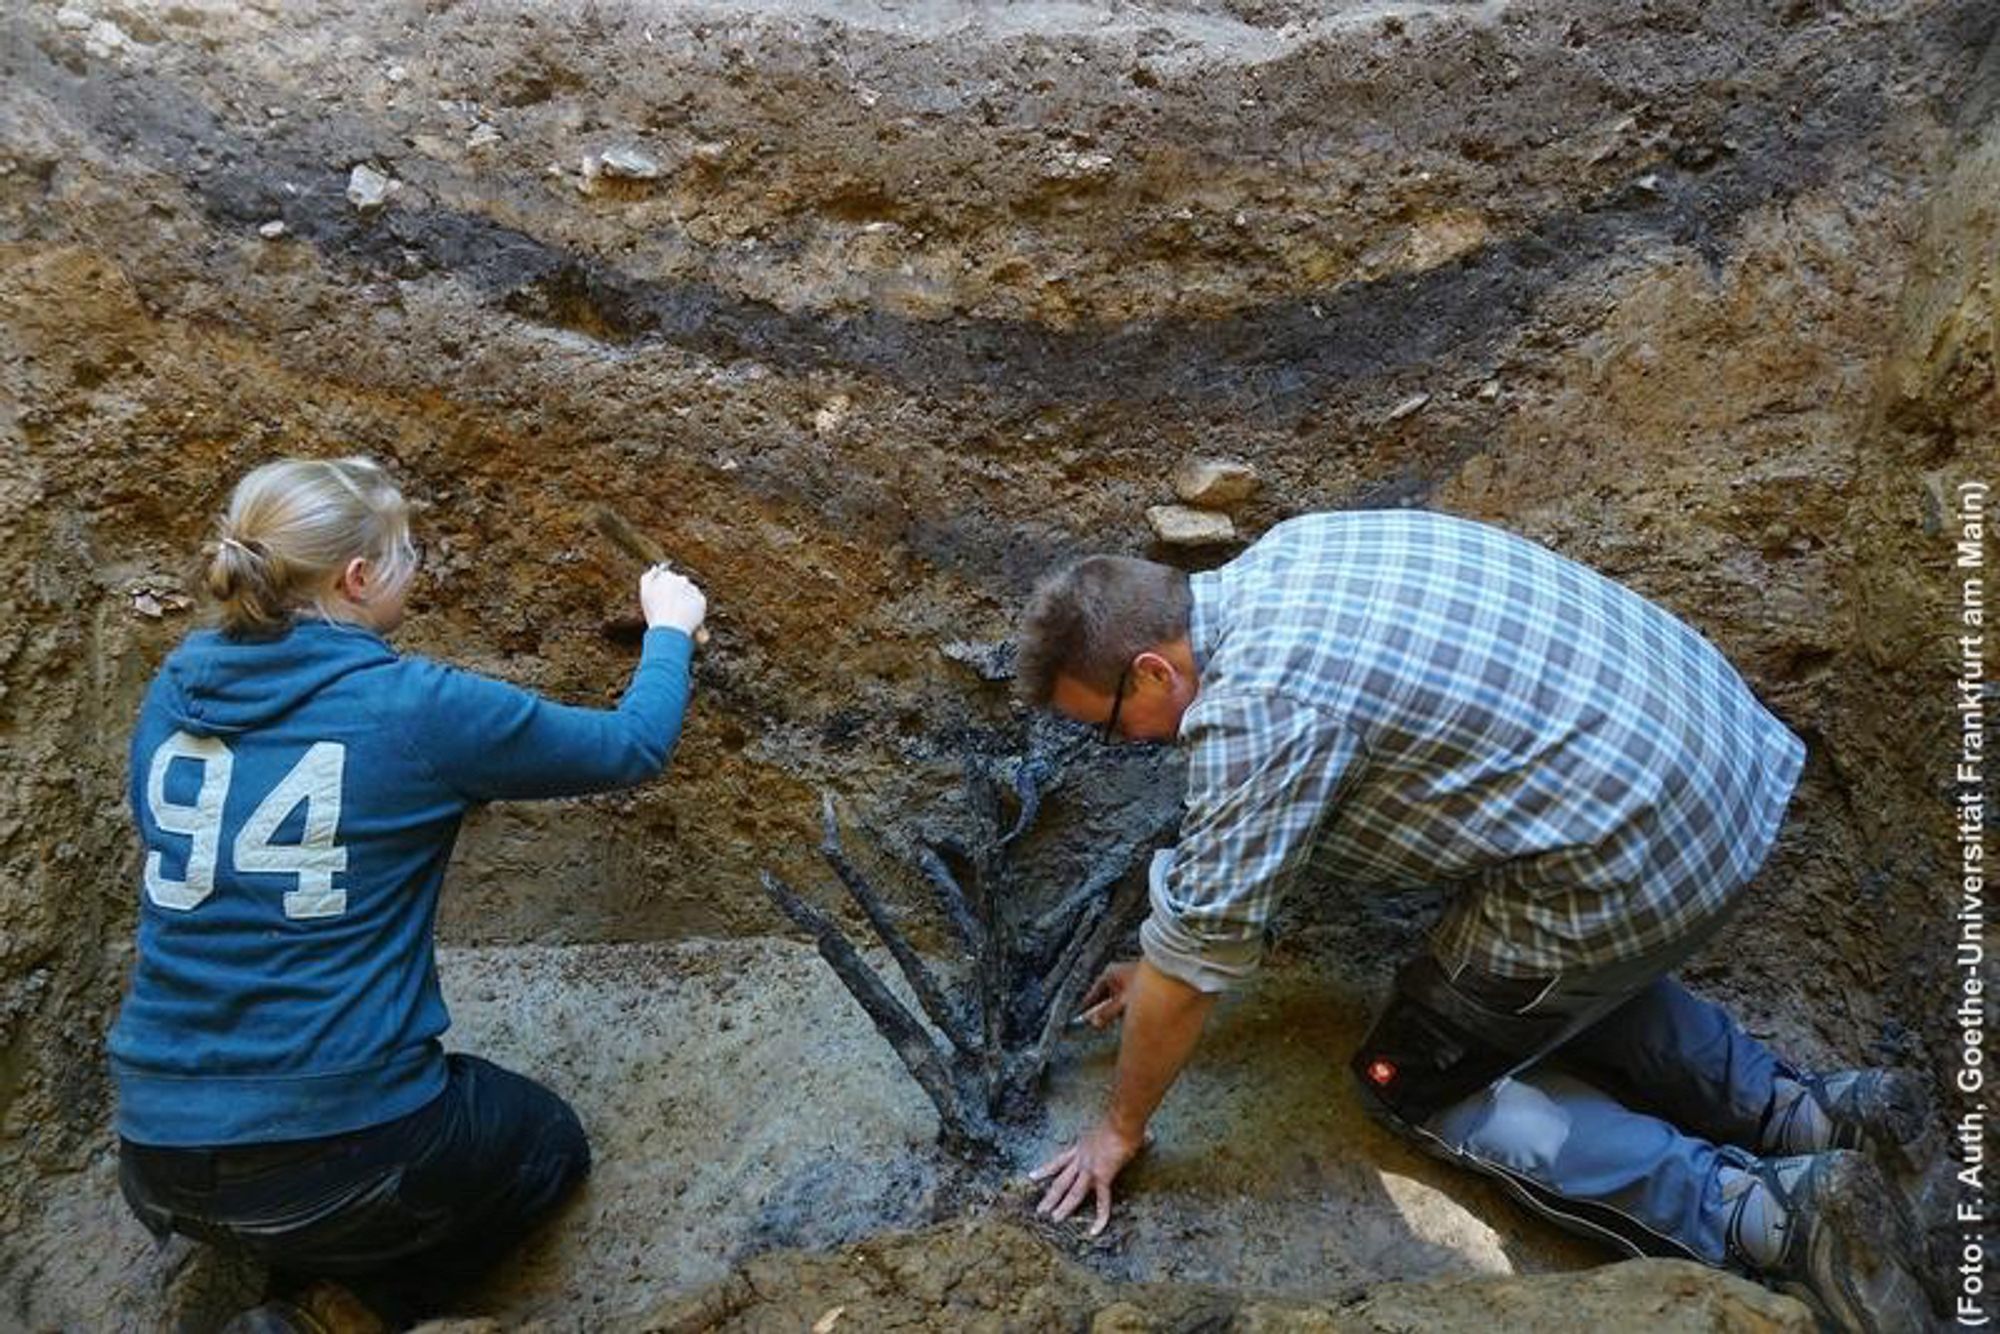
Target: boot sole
1865 1243
1927 1189
1911 1153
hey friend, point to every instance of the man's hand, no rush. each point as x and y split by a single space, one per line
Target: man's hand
1105 1000
1087 1167
1163 1019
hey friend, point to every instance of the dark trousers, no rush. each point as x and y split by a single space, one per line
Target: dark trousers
1661 1092
406 1212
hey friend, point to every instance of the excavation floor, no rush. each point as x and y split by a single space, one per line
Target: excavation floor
738 1101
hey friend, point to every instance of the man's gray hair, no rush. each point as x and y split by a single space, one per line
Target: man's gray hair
1088 620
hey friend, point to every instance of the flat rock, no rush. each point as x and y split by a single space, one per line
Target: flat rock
1213 482
1184 526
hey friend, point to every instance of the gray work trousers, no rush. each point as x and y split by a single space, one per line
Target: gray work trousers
1609 1100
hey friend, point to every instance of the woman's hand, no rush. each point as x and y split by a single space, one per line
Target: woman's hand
672 601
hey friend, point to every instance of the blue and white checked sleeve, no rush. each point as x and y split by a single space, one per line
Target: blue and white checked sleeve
1263 773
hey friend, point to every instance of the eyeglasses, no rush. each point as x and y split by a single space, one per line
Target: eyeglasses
1110 731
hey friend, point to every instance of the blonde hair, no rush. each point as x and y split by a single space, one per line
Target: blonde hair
291 527
1088 620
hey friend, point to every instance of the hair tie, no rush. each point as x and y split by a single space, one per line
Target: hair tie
232 542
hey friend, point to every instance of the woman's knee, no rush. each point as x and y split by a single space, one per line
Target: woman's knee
565 1146
523 1119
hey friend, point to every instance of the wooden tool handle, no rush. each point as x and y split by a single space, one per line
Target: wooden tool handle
634 544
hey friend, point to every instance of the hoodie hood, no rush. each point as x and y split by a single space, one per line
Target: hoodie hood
216 686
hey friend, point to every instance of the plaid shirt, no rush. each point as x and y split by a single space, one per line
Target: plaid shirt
1416 699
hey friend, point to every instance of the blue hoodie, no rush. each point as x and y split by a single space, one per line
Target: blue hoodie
298 799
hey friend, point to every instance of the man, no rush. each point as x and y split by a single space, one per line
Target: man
1418 699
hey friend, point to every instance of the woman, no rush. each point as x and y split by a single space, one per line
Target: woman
297 786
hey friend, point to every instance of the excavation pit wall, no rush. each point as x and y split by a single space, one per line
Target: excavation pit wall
915 302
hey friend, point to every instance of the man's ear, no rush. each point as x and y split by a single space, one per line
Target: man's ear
1151 666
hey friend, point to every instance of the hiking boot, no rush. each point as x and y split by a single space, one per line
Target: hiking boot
1886 1112
1826 1228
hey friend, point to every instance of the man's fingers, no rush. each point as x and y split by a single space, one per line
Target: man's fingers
1077 1178
1098 991
1052 1164
1103 1207
1079 1188
1058 1188
1051 1195
1102 1013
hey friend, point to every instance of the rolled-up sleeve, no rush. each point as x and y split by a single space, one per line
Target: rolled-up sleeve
1263 770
